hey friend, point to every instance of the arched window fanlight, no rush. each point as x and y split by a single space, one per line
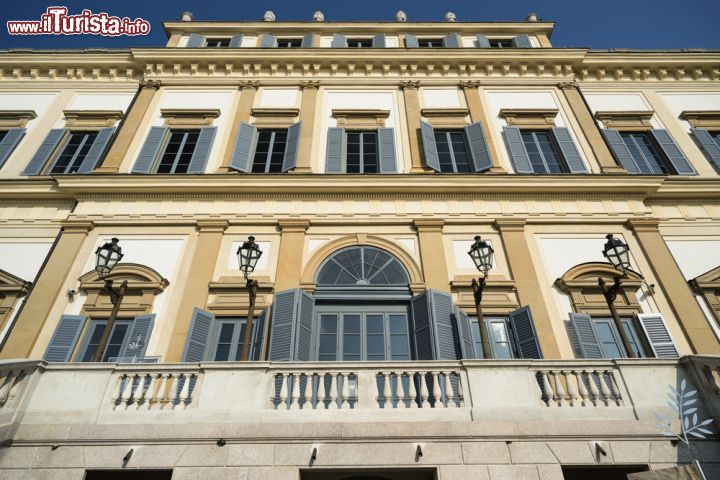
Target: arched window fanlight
362 266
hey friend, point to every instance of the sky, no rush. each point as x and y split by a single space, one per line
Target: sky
636 24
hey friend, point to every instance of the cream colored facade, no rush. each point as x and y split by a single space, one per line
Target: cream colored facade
182 231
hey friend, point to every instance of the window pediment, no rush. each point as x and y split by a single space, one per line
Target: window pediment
189 117
16 118
529 117
702 118
360 118
626 120
91 118
581 284
12 285
446 117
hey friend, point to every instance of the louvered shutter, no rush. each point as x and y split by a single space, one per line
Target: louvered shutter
432 159
150 150
9 142
441 310
702 138
268 41
202 327
379 41
569 151
620 151
658 336
291 147
339 41
483 41
236 41
282 330
673 152
244 148
521 41
195 41
423 341
411 41
478 147
452 41
258 336
465 341
386 150
335 152
526 338
97 150
200 155
137 340
307 41
304 331
584 331
43 154
64 339
518 154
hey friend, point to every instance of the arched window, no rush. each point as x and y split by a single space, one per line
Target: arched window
362 266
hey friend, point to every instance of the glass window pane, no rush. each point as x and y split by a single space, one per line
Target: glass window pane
376 345
328 324
375 324
351 324
399 346
351 346
328 344
398 324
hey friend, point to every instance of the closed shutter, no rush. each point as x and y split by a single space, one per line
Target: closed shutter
701 136
195 41
335 152
518 154
411 41
9 142
620 151
200 155
452 41
303 331
291 147
569 151
202 327
137 340
258 336
150 150
268 41
386 150
244 148
673 152
521 41
441 309
658 335
64 339
526 339
236 41
307 41
432 159
465 341
282 330
478 147
584 331
423 340
339 41
97 150
483 41
43 154
379 41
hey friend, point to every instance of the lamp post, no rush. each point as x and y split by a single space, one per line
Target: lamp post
618 254
106 257
482 256
248 255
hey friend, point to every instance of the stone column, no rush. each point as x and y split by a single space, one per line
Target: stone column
308 106
290 256
432 254
129 127
527 281
195 294
31 320
248 89
479 113
589 128
410 89
677 291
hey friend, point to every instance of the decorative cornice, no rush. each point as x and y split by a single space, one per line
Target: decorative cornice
249 84
702 118
294 225
445 112
410 84
155 84
310 84
91 118
275 112
529 117
470 84
568 85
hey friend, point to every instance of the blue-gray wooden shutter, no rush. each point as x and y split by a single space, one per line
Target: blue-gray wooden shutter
305 310
137 340
702 138
149 150
335 152
452 41
521 41
422 341
658 335
478 147
441 310
673 152
97 150
386 150
291 147
258 336
582 327
379 41
195 41
339 41
200 155
620 151
432 159
43 154
411 41
201 330
268 41
244 148
236 41
483 41
526 338
569 151
465 340
518 154
9 142
282 328
64 339
307 41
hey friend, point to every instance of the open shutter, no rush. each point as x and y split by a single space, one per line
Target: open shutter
97 150
195 41
569 150
423 343
521 41
339 41
291 147
432 159
335 150
9 142
379 41
452 41
200 155
236 41
478 147
585 336
64 339
268 41
282 330
701 136
149 150
658 335
140 330
198 339
386 150
43 154
411 41
441 310
482 41
258 336
518 154
307 41
244 148
526 338
620 151
673 152
465 341
303 331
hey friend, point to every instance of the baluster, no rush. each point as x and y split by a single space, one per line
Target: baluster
583 389
7 384
571 390
380 388
449 394
436 393
412 393
604 388
17 383
127 391
162 394
399 394
174 394
117 397
547 388
387 390
594 393
295 395
333 391
150 392
323 392
307 405
185 391
137 390
424 394
459 393
615 389
559 390
284 377
346 391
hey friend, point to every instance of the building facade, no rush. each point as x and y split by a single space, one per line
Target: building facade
363 158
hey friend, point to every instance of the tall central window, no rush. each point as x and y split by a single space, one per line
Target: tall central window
452 151
362 152
269 151
94 334
229 334
179 151
355 336
545 156
645 154
73 153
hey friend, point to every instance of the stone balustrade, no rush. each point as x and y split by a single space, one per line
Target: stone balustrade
579 387
13 378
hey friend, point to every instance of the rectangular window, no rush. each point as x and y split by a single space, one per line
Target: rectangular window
359 42
544 153
269 151
178 151
610 340
289 42
430 42
228 343
714 135
362 152
73 152
500 43
92 340
218 42
501 337
646 154
354 336
452 151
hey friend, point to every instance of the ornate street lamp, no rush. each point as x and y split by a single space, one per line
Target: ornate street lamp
248 255
481 254
618 254
107 257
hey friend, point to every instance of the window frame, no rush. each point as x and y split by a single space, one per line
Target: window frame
271 150
663 162
556 149
75 161
477 341
439 42
633 336
498 42
451 150
92 325
366 41
166 142
218 39
291 40
361 142
239 325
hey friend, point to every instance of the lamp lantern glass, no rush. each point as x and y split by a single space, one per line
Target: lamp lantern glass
248 255
107 256
482 255
617 253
